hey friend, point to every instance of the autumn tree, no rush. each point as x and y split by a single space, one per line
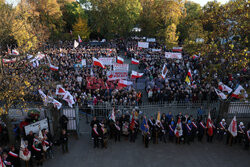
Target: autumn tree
81 28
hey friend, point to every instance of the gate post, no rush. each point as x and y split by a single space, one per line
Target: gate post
77 120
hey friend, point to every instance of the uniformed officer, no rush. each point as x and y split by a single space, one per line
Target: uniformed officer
222 129
95 135
201 129
247 138
188 131
117 129
171 131
194 129
38 152
241 132
14 157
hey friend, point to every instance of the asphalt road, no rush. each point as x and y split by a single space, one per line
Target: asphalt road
126 154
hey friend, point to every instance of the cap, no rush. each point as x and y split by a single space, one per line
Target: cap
172 123
223 120
189 121
241 123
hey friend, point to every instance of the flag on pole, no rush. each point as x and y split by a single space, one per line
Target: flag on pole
76 44
187 80
15 52
144 125
97 62
43 96
158 117
79 39
233 127
209 125
119 60
69 98
224 88
53 68
60 90
190 74
135 74
112 117
178 130
164 71
124 83
1 162
220 94
134 61
240 92
57 104
132 124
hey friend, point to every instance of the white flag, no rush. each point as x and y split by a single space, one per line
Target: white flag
75 44
233 127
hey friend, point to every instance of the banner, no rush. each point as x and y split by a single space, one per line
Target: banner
84 62
9 60
107 60
121 67
151 40
156 50
143 44
78 66
177 49
116 75
171 55
35 127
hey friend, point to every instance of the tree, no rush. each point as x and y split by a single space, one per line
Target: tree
113 17
81 28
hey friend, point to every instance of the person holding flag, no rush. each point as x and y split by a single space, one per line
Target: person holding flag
132 129
232 131
222 129
178 130
210 129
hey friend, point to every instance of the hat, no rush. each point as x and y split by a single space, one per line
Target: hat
189 121
223 120
241 124
172 122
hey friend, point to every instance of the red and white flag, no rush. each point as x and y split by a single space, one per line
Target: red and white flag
135 74
113 115
134 61
119 60
57 104
190 74
124 83
240 92
233 127
15 52
209 125
69 98
177 49
79 39
53 68
43 96
9 60
97 62
1 162
164 71
225 88
60 90
220 94
178 130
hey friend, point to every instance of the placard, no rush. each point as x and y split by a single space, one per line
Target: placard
35 127
84 62
172 55
156 50
107 60
115 75
143 44
121 67
151 40
177 49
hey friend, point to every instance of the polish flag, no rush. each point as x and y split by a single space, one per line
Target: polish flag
220 94
57 104
134 61
53 68
135 74
15 52
79 39
177 49
112 117
69 98
233 127
209 125
9 60
124 83
190 74
60 90
240 92
119 60
1 162
178 130
225 88
98 63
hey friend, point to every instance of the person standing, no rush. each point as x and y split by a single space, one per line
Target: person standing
188 132
201 130
95 135
171 131
64 122
222 129
64 141
117 130
38 152
14 157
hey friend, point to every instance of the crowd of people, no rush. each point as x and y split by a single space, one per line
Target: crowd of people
167 128
30 149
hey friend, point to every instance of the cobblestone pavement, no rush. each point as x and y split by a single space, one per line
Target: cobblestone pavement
126 154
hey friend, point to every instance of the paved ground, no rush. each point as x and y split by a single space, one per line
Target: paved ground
125 154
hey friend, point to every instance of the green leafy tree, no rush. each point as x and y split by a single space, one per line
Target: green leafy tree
81 28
